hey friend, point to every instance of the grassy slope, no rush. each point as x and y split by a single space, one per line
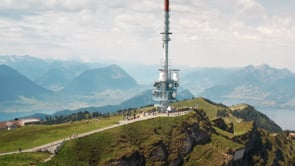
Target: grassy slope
141 135
248 113
240 127
23 159
10 140
50 133
201 103
106 145
31 136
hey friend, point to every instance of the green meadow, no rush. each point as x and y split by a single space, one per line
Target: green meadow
32 136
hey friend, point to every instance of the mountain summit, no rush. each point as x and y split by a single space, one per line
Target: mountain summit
209 134
261 74
100 79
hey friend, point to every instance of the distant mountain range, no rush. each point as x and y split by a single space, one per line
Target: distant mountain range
140 100
69 85
45 71
14 85
29 66
262 86
200 79
60 85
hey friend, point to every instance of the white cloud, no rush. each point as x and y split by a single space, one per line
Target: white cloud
205 33
250 4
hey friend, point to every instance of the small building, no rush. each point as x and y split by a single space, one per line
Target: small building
291 136
3 126
239 154
31 121
13 124
8 125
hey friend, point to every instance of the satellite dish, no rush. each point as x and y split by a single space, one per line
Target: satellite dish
173 94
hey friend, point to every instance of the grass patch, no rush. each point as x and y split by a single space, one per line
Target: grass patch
223 144
240 126
23 159
32 136
238 107
223 133
209 107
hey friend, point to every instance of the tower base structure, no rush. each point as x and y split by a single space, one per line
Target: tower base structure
165 89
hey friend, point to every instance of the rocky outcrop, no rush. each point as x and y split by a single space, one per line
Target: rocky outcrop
264 148
158 152
186 139
135 159
219 122
184 136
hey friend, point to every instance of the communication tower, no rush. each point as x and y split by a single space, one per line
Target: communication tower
165 89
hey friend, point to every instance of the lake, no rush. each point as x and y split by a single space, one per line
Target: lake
285 119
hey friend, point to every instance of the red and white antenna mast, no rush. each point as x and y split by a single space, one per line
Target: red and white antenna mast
165 88
166 35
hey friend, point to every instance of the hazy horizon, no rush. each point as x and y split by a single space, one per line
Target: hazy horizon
126 63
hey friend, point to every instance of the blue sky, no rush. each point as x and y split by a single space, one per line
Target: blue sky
222 33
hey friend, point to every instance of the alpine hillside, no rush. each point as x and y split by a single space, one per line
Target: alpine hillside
210 134
15 85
